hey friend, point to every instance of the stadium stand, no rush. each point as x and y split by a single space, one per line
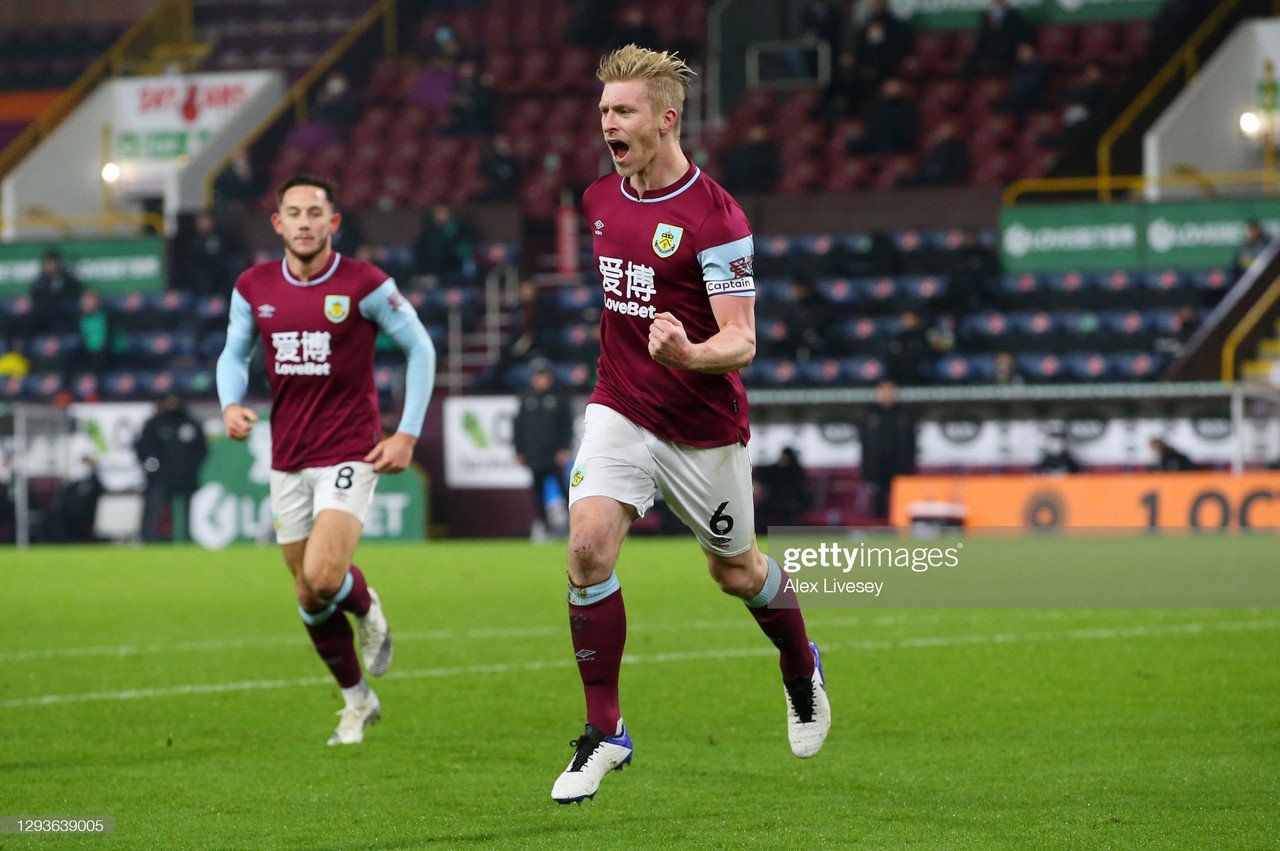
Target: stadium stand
831 305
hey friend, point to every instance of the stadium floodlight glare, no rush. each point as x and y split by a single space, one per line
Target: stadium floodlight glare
1250 124
110 172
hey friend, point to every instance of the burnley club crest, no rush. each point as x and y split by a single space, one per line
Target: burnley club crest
337 307
666 239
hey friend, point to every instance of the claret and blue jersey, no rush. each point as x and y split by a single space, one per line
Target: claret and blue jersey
669 251
318 345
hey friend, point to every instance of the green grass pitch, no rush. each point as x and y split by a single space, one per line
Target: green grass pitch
175 690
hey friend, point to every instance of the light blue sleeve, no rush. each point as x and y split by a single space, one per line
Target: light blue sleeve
233 363
727 269
393 314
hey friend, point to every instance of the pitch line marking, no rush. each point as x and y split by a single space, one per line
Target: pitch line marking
1083 634
297 639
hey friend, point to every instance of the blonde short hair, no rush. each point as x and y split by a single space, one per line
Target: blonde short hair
666 75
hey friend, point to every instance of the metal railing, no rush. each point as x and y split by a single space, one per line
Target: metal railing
1261 308
70 225
296 98
1185 60
1268 179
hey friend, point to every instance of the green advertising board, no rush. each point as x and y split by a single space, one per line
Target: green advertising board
233 503
965 14
107 265
1090 237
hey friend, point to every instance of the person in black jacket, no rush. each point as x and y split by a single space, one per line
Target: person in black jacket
888 435
543 433
171 449
785 492
55 296
1168 459
1000 32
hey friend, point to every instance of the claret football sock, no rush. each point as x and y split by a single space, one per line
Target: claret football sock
353 596
778 613
331 634
598 624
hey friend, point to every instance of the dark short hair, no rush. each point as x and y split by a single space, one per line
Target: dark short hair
330 188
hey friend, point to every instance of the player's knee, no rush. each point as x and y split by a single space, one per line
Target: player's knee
308 599
590 559
325 580
737 576
734 580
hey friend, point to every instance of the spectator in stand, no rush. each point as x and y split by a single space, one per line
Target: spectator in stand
209 262
538 316
947 161
55 297
820 21
882 42
542 435
887 432
238 183
335 104
1005 370
443 52
97 341
633 28
908 352
1027 85
1057 458
443 246
1255 242
845 92
809 320
752 167
171 449
892 123
1083 98
784 492
1184 325
471 105
75 505
970 266
1001 31
500 170
1168 459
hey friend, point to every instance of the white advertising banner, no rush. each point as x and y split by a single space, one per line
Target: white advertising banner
478 449
1021 443
160 123
479 453
108 431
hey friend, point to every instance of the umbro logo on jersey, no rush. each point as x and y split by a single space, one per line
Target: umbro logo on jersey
599 228
266 311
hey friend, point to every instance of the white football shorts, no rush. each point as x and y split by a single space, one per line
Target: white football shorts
296 498
709 488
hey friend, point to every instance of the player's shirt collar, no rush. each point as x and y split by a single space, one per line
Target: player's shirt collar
667 192
319 279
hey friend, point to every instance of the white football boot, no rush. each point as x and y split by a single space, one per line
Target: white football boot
354 719
595 756
808 711
375 638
